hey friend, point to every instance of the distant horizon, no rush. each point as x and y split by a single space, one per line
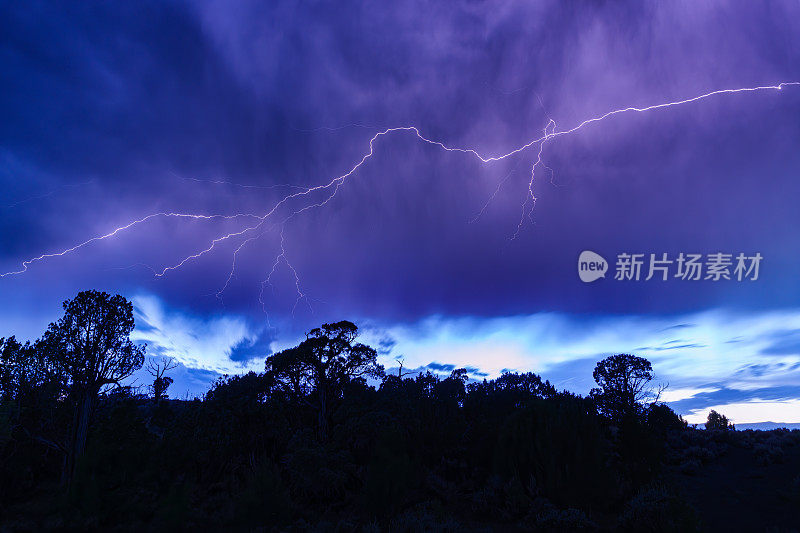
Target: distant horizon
568 366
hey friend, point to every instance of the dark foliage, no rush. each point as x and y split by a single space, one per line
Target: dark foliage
311 444
623 381
718 422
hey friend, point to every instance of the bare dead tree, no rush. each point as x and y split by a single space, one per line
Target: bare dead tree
400 360
161 382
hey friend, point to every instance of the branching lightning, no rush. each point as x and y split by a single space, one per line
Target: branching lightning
26 264
257 227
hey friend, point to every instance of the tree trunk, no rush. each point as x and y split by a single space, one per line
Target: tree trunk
77 443
322 415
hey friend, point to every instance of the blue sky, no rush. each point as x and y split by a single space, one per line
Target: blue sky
242 136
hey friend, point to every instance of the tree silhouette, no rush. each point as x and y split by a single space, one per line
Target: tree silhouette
430 452
161 382
623 381
91 346
717 421
17 369
321 365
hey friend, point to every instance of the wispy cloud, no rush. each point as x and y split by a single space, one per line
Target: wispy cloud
787 411
224 344
694 354
710 358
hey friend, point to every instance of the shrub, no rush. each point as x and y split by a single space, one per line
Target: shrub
556 520
317 472
718 422
767 454
656 509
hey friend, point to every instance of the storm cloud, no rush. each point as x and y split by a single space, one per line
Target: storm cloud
112 112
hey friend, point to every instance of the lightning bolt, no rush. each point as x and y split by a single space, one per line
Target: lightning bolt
330 189
48 194
246 186
26 264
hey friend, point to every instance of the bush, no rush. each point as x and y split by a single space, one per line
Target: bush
556 520
504 501
767 454
317 472
703 455
690 467
656 509
422 519
264 498
718 422
661 418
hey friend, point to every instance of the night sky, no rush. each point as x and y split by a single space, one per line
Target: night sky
112 112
